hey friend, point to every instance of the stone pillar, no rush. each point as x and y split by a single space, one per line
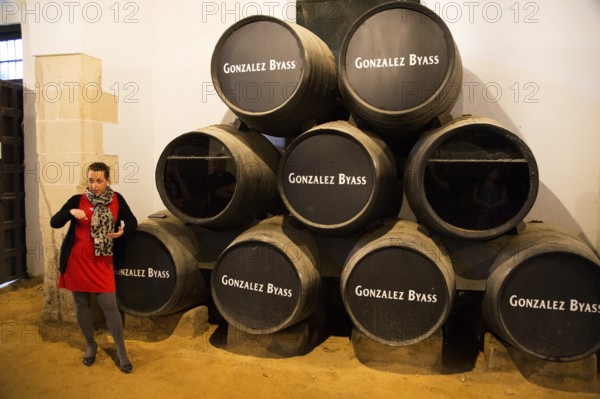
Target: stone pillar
70 111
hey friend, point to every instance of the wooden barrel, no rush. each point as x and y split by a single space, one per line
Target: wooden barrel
336 178
399 68
543 295
398 284
218 177
162 268
471 179
267 278
277 77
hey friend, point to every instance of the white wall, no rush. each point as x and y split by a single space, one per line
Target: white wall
156 56
530 65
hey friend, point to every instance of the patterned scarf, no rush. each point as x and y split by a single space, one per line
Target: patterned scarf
103 222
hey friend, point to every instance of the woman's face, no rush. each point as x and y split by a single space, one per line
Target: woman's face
96 182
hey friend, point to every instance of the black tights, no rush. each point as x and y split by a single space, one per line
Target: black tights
108 304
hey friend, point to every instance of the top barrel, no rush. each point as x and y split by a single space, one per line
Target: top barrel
275 76
399 68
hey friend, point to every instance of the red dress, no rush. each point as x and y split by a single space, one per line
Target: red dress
86 272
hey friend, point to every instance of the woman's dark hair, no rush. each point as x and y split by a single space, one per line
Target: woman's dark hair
100 167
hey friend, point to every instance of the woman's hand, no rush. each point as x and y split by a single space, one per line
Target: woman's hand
117 234
78 214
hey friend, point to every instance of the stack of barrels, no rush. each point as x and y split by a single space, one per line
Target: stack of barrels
251 215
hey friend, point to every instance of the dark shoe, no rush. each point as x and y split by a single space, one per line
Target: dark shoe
125 368
90 354
88 361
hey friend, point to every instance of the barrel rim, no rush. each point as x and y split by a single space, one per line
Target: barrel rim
299 303
302 50
162 160
316 131
348 91
434 138
353 262
511 265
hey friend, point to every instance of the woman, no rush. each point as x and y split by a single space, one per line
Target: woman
95 234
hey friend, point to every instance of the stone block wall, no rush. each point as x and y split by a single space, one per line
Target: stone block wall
70 111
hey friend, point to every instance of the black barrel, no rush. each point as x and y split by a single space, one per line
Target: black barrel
471 179
267 278
218 176
336 178
543 295
399 68
160 270
398 284
277 77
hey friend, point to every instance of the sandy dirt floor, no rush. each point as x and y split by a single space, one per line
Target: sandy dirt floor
42 361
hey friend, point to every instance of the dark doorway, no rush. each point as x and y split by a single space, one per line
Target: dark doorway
12 193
